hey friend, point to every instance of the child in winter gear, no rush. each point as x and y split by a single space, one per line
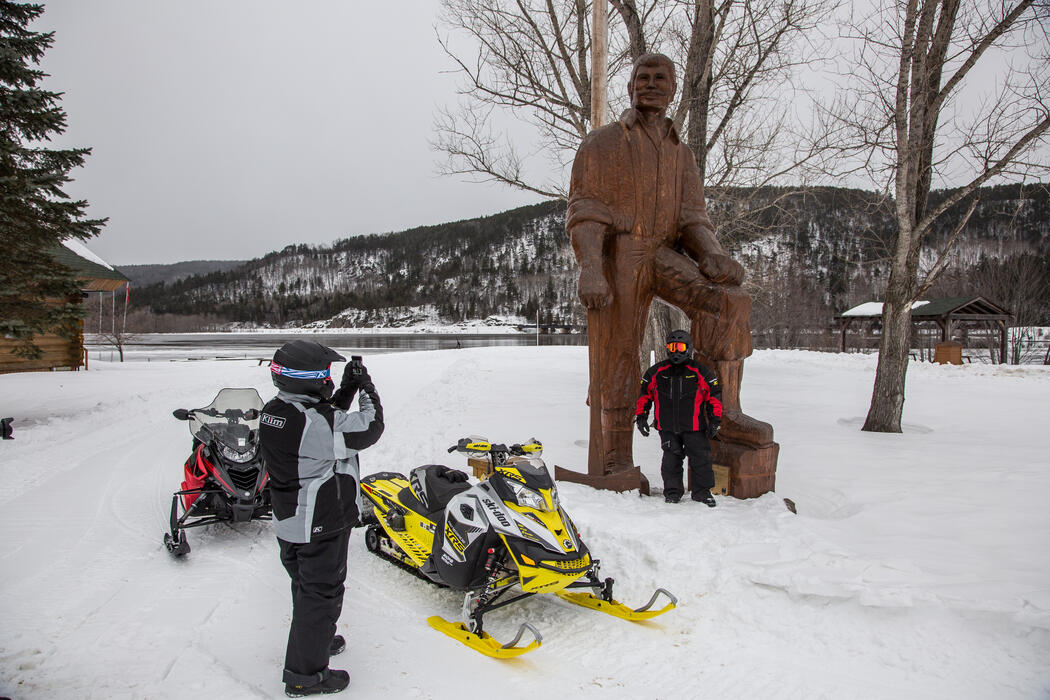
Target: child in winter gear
310 450
688 413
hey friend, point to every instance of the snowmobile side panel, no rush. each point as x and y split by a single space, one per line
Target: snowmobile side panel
617 609
411 532
485 643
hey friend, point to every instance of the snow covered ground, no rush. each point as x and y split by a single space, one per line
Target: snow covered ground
917 566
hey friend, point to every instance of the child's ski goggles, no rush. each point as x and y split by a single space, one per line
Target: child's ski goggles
301 373
676 347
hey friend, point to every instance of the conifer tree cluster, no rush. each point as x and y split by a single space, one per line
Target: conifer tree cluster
37 295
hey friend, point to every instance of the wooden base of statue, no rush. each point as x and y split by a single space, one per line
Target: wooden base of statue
628 480
743 471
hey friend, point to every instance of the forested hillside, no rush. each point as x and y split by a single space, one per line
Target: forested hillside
809 255
143 275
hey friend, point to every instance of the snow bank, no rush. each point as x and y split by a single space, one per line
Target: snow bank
916 567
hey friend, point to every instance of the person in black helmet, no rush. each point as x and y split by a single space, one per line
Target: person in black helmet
688 412
309 441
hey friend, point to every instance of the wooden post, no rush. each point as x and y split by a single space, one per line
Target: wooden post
844 324
1002 342
599 51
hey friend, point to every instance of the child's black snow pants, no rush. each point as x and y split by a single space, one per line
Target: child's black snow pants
677 446
318 570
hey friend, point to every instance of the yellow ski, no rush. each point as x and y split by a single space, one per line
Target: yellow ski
617 609
485 643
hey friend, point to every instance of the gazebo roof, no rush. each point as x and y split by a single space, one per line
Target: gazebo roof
966 308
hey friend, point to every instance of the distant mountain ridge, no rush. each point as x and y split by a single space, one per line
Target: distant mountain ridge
142 275
824 249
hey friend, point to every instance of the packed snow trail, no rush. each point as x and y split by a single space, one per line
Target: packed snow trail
916 567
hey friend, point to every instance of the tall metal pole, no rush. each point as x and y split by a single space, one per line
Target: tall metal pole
599 53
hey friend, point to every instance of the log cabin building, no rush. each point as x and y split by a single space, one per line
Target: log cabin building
66 351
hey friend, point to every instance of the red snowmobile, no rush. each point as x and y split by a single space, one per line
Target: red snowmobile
225 478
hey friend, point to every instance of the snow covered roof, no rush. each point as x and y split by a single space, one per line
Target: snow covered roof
958 307
83 251
94 272
873 308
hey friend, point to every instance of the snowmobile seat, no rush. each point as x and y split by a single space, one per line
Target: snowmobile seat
430 489
408 499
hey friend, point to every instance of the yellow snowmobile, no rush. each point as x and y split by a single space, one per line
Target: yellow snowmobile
506 533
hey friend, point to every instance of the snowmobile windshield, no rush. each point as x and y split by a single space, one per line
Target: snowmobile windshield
232 418
535 472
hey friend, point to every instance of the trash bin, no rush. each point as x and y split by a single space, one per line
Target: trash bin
948 353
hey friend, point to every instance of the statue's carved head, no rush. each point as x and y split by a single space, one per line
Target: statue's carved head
652 85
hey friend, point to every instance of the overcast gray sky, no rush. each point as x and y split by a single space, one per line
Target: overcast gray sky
227 129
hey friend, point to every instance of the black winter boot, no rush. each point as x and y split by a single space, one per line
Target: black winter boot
328 681
704 497
672 498
338 645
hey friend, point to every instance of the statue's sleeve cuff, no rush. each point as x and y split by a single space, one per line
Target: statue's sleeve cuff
586 209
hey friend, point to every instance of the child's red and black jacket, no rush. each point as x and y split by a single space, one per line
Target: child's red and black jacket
686 397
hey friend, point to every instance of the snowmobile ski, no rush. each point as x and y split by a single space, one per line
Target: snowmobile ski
485 643
617 609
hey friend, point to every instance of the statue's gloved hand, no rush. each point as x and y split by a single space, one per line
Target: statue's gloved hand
594 289
722 269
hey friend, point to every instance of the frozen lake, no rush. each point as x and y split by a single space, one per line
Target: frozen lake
153 347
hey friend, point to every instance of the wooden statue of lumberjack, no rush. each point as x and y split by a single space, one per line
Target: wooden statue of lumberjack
639 227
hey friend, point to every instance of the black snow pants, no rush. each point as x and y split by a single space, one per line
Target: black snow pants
677 446
318 570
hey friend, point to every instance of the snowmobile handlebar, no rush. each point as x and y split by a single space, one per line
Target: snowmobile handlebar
231 414
480 445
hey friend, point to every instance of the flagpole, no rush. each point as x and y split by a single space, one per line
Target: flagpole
127 298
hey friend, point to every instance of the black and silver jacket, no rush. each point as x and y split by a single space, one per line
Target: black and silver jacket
310 451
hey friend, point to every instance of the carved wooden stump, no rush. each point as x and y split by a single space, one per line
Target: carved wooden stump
746 471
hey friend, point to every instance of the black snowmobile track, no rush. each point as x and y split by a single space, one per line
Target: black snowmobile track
400 564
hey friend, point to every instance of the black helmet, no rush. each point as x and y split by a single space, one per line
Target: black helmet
303 367
679 346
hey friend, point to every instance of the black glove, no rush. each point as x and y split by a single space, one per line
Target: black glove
343 397
711 429
453 475
642 421
355 374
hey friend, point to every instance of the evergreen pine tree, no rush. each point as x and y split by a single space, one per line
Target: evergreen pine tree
37 295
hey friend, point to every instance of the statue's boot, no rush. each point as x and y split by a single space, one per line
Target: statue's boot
737 426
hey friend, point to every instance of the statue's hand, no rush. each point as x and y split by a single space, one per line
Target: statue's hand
722 269
595 292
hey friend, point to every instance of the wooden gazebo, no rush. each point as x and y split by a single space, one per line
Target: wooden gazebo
948 314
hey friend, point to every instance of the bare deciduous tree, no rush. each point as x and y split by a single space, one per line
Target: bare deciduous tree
910 127
530 58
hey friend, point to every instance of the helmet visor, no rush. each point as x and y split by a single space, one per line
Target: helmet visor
301 373
676 347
